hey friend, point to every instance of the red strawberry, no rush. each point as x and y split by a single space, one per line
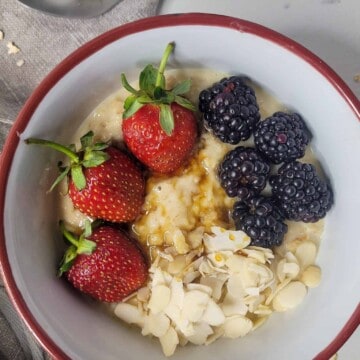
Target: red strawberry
159 126
160 152
102 184
107 264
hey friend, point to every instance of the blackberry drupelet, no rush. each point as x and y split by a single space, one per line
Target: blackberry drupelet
230 109
243 172
300 193
261 219
282 137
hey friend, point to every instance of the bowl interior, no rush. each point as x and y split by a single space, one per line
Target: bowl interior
30 221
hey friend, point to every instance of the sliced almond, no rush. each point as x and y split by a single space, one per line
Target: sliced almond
290 296
160 297
233 305
215 283
291 270
200 287
169 342
129 313
311 276
191 276
225 240
263 310
306 254
201 332
237 326
177 265
195 303
157 324
213 315
217 333
235 263
143 294
235 285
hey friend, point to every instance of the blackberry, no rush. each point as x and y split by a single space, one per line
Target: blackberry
261 219
243 172
282 137
230 109
300 193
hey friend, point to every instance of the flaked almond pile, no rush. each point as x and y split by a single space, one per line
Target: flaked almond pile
227 290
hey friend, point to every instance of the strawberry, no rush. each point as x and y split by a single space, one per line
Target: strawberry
104 263
159 126
104 182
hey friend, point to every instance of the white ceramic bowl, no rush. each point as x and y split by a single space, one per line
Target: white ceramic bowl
69 326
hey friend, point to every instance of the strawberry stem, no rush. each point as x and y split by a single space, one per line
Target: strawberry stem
68 235
63 149
164 59
82 245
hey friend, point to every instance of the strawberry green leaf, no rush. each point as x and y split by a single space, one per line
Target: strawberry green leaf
72 148
145 99
127 86
78 245
94 158
166 119
129 101
159 93
87 228
185 103
67 260
182 87
86 246
147 79
100 146
78 177
58 180
86 140
135 106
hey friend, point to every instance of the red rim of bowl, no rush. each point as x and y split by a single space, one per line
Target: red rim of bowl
90 48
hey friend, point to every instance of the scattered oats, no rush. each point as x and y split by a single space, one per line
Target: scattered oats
357 78
12 48
20 62
1 35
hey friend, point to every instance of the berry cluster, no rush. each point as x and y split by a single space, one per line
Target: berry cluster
231 112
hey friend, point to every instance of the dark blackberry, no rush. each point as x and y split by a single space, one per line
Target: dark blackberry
282 137
243 172
300 193
261 219
230 109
